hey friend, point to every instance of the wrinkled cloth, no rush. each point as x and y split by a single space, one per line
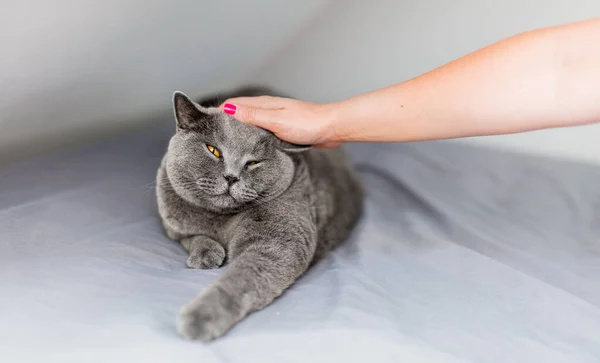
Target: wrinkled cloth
463 254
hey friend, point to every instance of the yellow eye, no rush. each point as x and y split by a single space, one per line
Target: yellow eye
250 163
214 150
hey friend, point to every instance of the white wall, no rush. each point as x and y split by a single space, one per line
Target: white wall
71 69
81 67
362 45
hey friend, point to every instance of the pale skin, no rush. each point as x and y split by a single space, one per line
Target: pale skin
545 78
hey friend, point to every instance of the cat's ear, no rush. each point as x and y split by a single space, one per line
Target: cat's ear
187 114
293 148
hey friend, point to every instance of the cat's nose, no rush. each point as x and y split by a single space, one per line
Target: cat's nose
231 179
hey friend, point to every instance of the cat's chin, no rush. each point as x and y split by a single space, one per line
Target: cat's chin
225 203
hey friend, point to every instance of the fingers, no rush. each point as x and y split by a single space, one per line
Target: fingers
280 115
261 117
266 102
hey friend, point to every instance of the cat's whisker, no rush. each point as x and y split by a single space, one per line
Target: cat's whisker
184 186
151 185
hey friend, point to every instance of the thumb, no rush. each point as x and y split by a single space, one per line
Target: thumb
265 118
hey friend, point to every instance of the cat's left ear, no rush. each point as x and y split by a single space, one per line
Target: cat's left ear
187 113
293 148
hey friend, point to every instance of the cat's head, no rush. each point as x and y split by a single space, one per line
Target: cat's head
219 163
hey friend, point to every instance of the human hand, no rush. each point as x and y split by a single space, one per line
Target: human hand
295 121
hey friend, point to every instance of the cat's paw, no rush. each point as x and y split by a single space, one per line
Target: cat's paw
207 317
207 256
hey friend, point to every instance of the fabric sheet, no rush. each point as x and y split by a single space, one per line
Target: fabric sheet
463 255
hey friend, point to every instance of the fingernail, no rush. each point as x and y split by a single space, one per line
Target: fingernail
229 109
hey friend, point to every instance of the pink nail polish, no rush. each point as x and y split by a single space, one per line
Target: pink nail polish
229 109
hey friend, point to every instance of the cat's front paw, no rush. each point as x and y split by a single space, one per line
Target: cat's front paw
207 256
208 317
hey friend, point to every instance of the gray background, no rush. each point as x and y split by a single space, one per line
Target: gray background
462 255
89 68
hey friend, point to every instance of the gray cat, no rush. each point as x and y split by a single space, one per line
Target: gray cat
229 191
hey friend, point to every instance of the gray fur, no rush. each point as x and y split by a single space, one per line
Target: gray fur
283 214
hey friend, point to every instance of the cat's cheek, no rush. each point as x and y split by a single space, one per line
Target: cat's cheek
219 189
239 193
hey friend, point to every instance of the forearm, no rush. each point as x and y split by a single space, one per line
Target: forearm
539 79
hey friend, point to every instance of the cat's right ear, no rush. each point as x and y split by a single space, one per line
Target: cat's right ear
187 113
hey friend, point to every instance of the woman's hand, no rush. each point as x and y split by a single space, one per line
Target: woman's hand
298 122
539 79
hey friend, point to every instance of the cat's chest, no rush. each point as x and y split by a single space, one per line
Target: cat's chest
182 220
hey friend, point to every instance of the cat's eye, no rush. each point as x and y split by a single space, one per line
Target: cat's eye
252 163
214 150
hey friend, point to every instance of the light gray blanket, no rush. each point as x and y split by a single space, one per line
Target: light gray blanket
463 255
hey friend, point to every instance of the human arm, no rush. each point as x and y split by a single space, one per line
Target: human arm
538 79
